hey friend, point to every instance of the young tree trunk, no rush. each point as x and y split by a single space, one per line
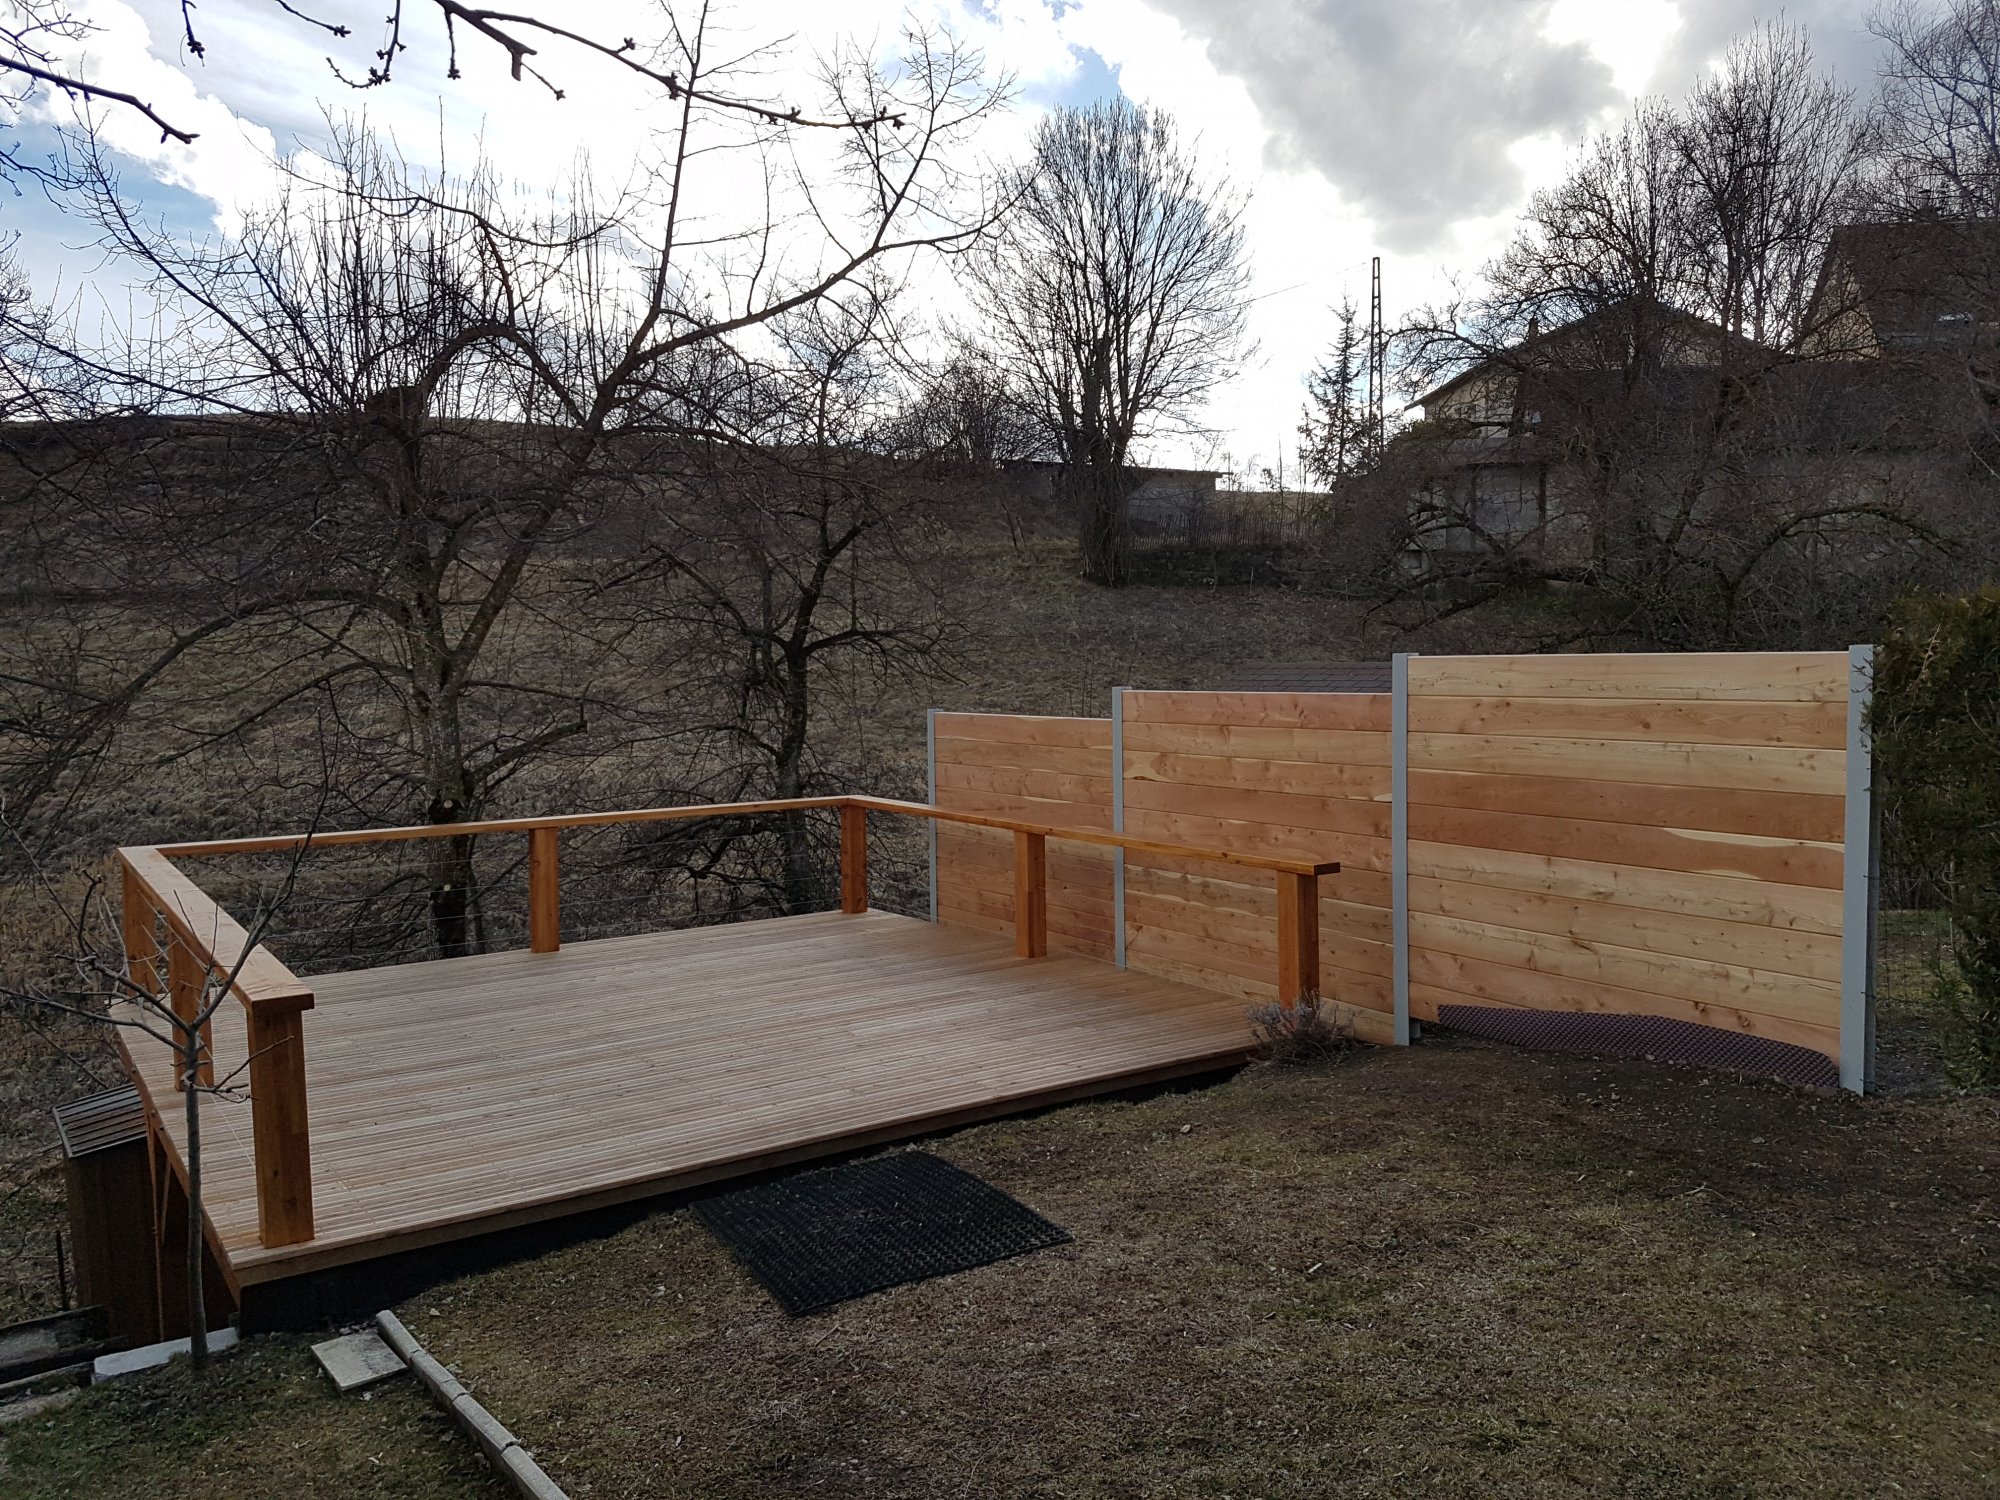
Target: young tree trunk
801 878
189 1038
452 894
1099 496
450 867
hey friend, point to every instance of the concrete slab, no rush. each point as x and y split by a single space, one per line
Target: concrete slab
357 1360
152 1356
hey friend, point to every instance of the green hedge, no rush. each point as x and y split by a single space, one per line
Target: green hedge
1936 724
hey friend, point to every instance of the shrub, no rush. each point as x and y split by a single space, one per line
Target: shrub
1966 988
1293 1035
1936 724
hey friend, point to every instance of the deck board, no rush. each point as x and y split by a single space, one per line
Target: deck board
451 1097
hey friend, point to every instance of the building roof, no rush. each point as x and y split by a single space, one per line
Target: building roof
1599 339
1917 282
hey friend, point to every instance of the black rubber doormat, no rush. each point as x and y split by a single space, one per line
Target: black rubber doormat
825 1236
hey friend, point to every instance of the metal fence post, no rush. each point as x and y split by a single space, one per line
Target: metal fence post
1118 825
1399 840
1857 885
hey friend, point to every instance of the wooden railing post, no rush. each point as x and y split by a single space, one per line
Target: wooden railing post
853 859
187 993
1298 938
544 891
137 925
283 1147
1031 894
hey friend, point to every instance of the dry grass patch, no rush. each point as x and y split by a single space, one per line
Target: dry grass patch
263 1424
1453 1270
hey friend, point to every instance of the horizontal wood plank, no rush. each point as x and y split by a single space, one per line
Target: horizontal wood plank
1751 768
1068 760
1043 812
1761 676
1025 729
1780 950
1272 840
1257 774
1723 898
1131 843
1009 781
1362 992
1788 815
1812 724
419 832
1331 814
1363 711
1362 887
1340 747
1753 991
213 934
1691 851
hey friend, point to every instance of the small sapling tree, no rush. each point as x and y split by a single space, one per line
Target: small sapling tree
173 1000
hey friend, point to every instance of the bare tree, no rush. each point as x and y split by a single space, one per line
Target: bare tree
968 418
1719 207
1640 406
1772 155
803 557
42 46
968 425
1938 107
1115 292
390 411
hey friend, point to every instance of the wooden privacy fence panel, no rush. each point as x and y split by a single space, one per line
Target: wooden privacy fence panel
1636 835
1301 775
1675 838
1048 770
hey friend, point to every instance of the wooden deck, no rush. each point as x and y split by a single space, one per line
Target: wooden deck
452 1098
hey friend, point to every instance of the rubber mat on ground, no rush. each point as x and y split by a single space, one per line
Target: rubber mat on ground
827 1235
1653 1037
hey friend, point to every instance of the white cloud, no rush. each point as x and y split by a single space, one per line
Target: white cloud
229 161
1412 128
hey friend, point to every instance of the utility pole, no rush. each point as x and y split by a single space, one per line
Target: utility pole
1377 376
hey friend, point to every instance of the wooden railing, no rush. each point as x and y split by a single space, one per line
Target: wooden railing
203 940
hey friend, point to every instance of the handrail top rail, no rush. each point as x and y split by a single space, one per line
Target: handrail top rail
279 842
1132 845
263 982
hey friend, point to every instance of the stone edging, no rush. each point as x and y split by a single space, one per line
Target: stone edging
502 1449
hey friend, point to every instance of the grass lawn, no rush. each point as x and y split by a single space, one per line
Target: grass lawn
262 1424
1452 1270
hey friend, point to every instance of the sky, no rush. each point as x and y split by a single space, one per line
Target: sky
1409 129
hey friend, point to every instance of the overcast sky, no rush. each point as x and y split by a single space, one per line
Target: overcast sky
1412 129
